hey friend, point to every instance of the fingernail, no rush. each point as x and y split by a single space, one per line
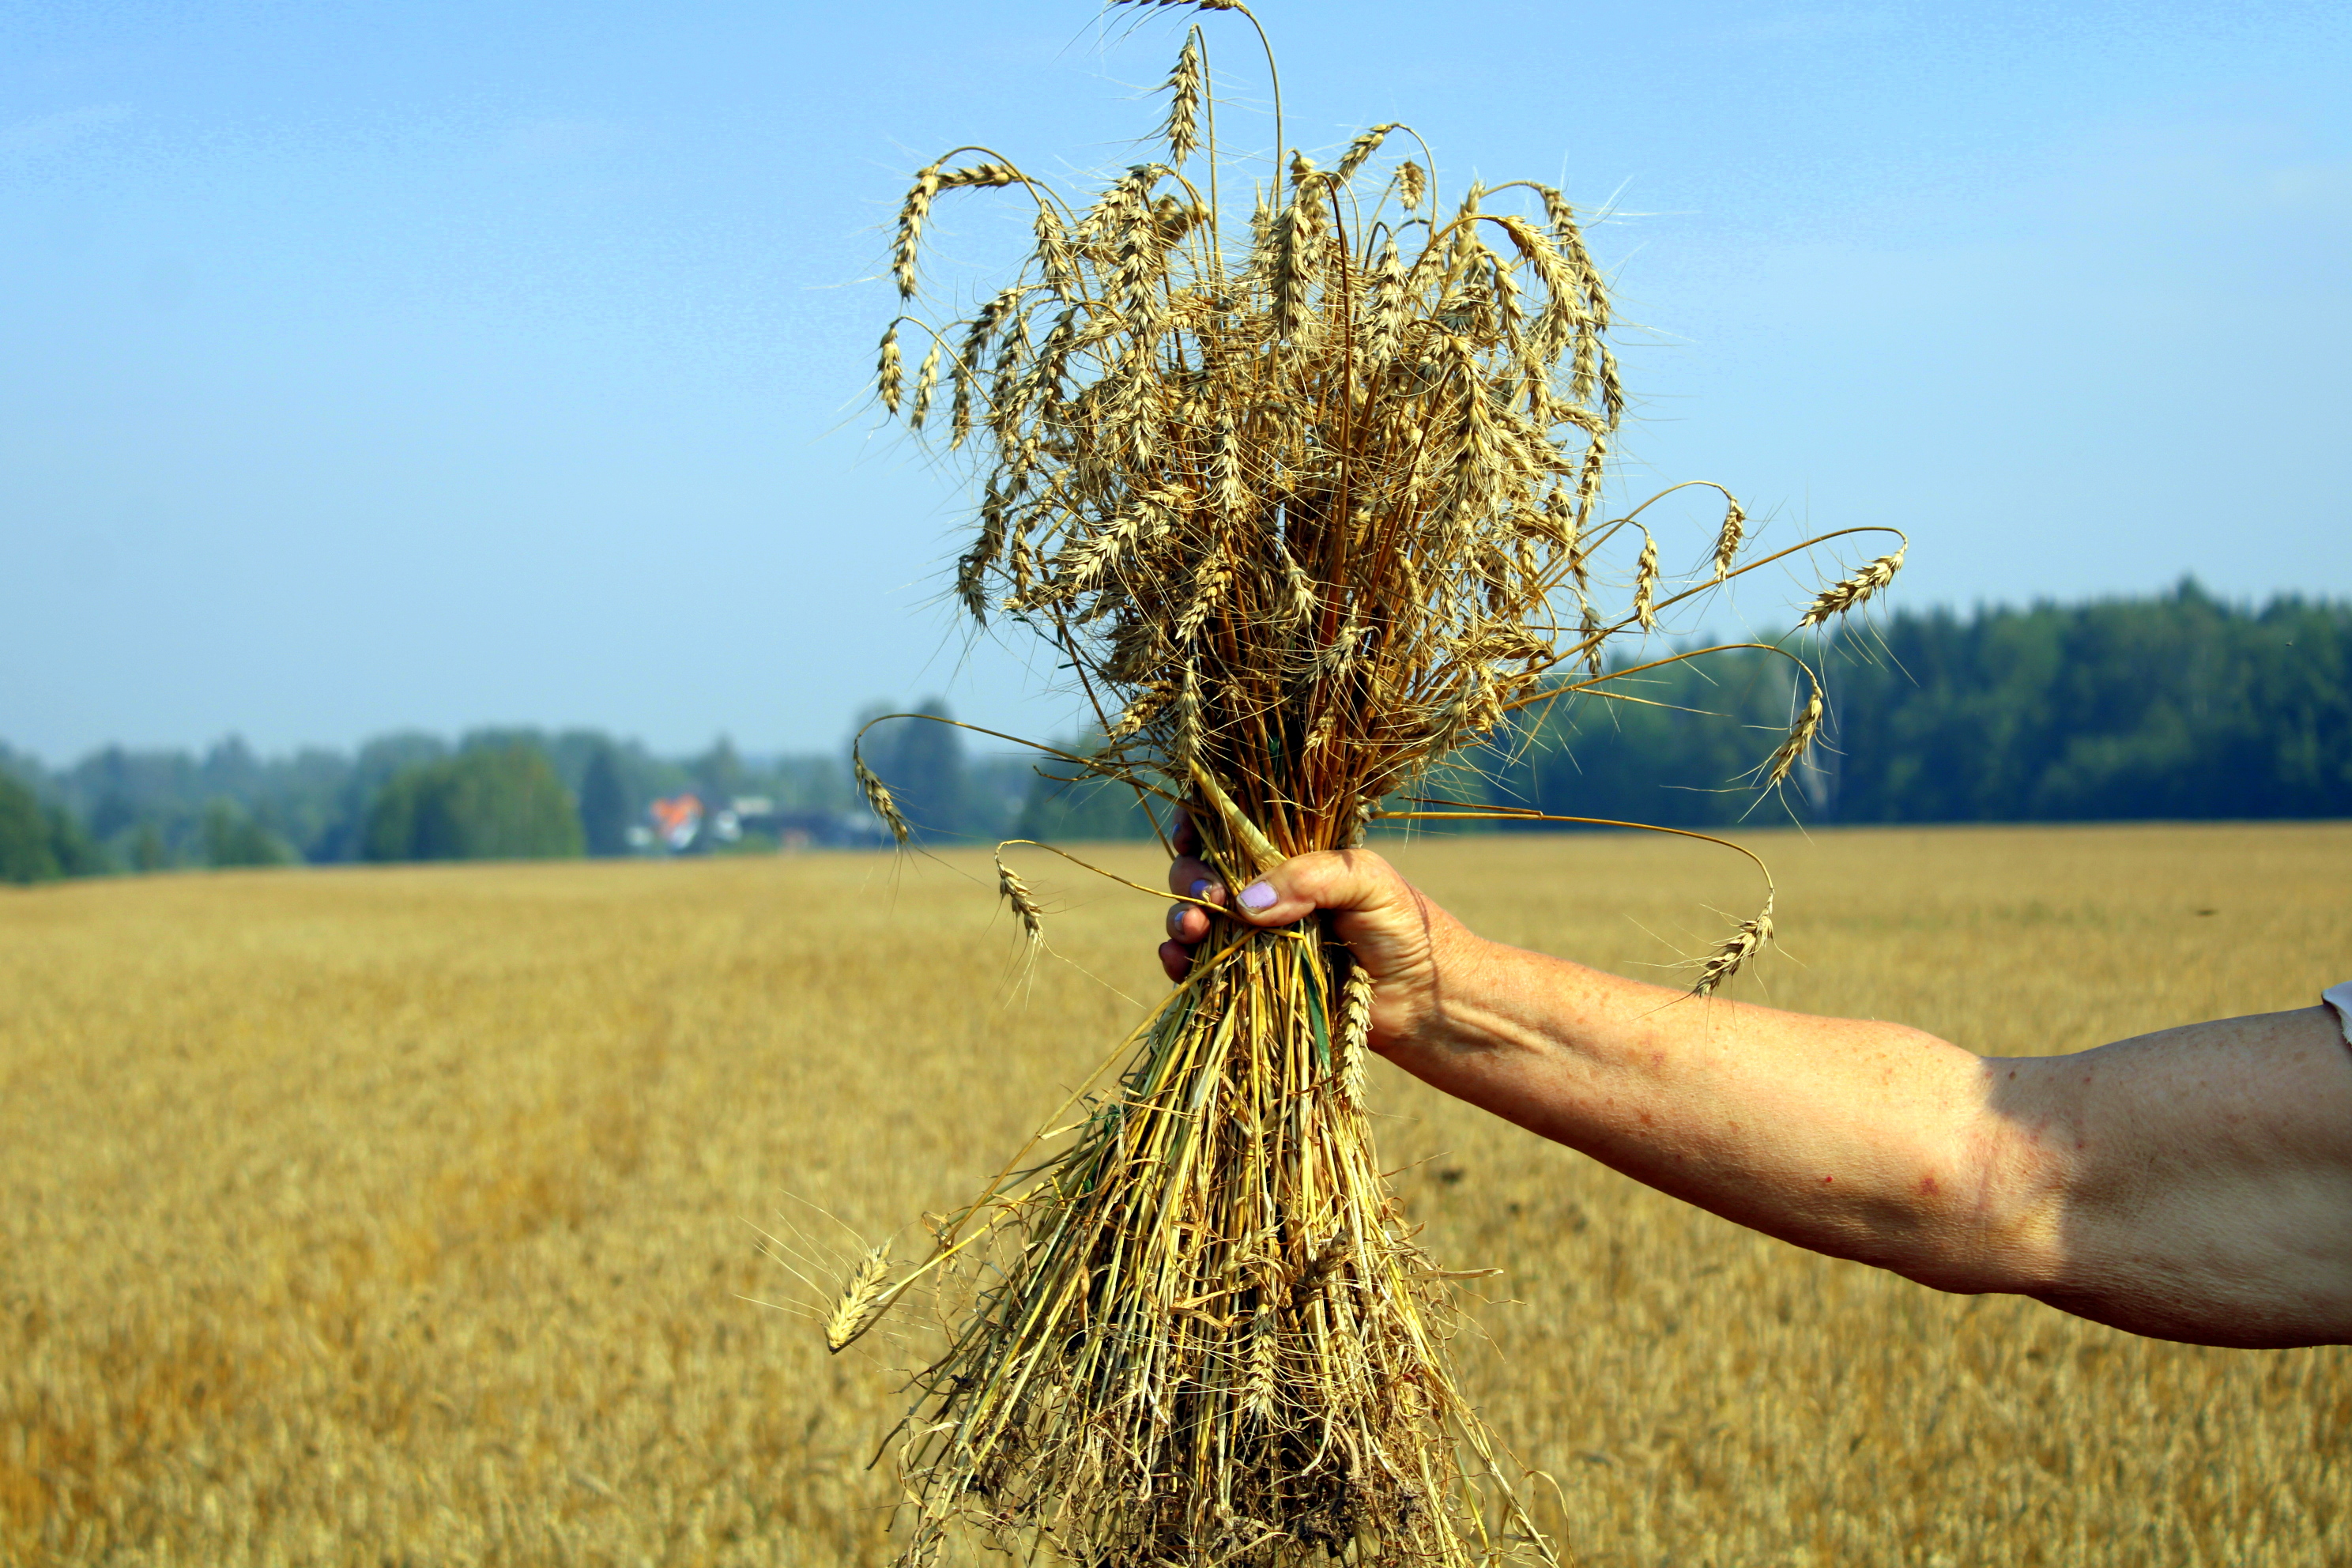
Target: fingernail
1259 896
1201 887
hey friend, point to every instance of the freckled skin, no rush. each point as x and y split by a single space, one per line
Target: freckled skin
2192 1185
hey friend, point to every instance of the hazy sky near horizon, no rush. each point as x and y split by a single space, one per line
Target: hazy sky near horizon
435 365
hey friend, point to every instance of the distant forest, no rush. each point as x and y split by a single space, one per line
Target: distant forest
2175 708
2180 707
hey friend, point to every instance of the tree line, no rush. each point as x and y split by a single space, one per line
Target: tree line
2177 707
493 793
163 809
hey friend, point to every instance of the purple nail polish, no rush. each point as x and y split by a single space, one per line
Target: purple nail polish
1259 895
1201 887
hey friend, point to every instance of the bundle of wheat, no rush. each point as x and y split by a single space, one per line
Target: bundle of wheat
1303 515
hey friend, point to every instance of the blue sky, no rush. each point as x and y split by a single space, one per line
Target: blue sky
428 365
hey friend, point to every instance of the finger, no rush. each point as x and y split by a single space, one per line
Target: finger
1176 959
1187 837
1328 879
1187 923
1195 878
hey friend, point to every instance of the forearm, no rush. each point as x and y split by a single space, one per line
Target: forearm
1863 1139
2192 1185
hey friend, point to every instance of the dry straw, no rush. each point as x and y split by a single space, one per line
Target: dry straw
1308 502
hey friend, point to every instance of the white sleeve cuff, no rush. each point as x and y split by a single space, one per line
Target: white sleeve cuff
2340 998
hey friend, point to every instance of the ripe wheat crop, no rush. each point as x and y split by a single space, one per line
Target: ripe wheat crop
425 1215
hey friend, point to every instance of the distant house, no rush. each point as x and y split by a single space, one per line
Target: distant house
677 821
794 830
684 825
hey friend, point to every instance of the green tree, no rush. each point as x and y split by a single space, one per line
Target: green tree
378 763
78 853
1063 808
1675 747
2179 707
720 774
147 851
603 804
232 837
923 763
494 803
40 843
27 854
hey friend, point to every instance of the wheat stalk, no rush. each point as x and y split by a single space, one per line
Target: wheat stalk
1355 1036
1294 498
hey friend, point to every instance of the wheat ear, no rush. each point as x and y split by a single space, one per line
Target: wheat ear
859 1299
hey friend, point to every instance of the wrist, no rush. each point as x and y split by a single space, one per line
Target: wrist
1460 1018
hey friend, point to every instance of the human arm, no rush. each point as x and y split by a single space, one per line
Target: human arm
2192 1185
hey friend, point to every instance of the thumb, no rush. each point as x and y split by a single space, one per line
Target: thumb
1340 880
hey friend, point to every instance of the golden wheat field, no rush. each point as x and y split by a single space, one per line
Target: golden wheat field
415 1216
